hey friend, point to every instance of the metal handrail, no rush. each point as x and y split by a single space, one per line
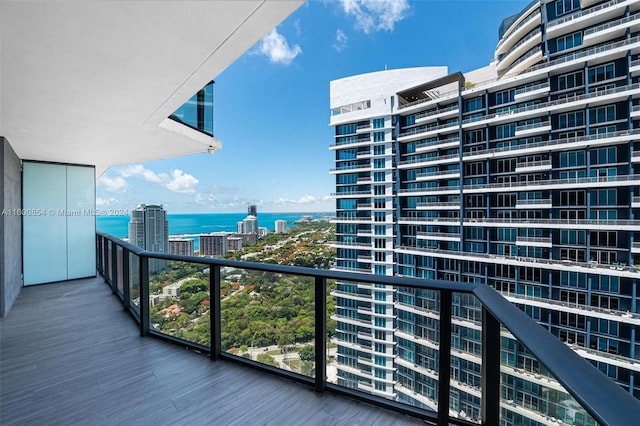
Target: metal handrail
617 22
604 400
583 53
582 13
516 28
553 142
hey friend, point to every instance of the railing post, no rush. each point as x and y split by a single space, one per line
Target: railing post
99 254
490 398
126 282
444 358
321 332
144 295
105 255
114 267
215 312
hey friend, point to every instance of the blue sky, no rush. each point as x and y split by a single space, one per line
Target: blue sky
271 107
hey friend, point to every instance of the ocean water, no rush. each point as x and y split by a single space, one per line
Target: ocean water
202 223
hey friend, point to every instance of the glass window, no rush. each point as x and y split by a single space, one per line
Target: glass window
197 112
378 123
601 73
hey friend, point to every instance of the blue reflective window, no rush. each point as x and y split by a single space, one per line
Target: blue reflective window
197 112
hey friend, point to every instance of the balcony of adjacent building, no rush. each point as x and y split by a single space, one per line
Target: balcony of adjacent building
590 16
184 386
556 106
527 21
425 131
613 268
560 144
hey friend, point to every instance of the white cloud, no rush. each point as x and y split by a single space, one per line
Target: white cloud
180 182
375 15
139 170
177 181
101 202
115 184
305 199
341 41
275 47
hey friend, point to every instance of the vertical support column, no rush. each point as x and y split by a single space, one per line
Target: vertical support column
215 312
200 100
114 267
144 295
444 358
126 295
99 254
490 410
105 256
321 332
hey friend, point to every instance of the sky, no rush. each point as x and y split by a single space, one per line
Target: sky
271 106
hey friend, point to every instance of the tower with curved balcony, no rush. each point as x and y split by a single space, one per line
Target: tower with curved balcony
524 176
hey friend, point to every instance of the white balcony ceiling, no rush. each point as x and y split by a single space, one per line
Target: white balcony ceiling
90 82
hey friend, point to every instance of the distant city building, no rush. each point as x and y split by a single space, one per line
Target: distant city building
234 243
262 231
149 230
252 210
181 246
281 226
250 225
214 244
240 227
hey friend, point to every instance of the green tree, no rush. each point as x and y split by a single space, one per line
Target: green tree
307 353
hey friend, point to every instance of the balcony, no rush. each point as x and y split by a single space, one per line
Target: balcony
608 138
600 13
534 241
533 129
614 269
92 367
611 30
114 375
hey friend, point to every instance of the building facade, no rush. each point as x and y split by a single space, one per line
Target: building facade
149 229
523 175
181 246
280 226
214 244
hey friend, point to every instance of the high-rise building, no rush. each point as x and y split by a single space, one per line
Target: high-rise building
214 244
234 243
523 175
181 246
252 210
250 225
149 229
281 226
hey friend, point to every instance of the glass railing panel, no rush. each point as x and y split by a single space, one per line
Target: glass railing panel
332 343
417 339
119 275
134 283
269 318
466 358
179 302
387 341
528 392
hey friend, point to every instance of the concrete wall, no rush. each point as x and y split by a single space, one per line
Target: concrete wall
10 227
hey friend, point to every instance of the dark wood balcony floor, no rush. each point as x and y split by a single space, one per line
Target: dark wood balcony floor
69 355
